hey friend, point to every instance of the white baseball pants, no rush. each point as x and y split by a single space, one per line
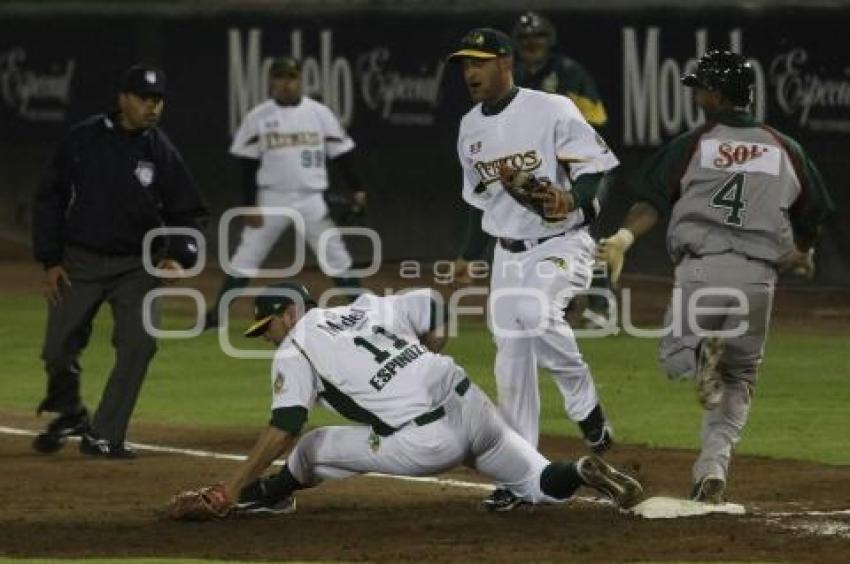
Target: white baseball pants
256 243
528 293
471 430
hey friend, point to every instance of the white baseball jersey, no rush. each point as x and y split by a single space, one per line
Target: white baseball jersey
365 360
292 143
541 133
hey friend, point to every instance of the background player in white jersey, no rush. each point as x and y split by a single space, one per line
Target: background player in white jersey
375 362
744 201
532 165
282 146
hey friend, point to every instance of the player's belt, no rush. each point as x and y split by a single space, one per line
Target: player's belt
431 416
522 245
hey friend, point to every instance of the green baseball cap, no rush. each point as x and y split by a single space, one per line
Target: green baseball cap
285 66
273 301
483 43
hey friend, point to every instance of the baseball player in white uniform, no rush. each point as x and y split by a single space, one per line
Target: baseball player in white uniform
544 254
282 145
375 362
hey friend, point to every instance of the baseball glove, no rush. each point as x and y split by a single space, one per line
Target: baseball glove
208 502
536 194
344 210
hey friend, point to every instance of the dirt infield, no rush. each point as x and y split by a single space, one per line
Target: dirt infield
66 505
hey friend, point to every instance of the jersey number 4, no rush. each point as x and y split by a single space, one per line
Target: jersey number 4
730 197
378 354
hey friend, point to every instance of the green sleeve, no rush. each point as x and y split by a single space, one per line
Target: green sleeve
476 239
585 190
577 84
289 419
658 181
814 203
574 79
438 316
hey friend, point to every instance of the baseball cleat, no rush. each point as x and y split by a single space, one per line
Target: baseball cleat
93 446
708 381
598 434
45 443
502 500
282 507
709 490
210 321
623 490
60 429
603 442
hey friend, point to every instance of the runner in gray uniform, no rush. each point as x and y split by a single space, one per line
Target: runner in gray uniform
744 201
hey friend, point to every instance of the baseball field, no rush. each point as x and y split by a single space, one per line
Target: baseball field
791 470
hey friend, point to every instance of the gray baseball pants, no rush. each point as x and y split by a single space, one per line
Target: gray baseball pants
720 281
97 278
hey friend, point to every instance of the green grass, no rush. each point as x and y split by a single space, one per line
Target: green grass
800 410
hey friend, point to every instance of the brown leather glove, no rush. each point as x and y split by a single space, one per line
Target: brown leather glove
547 200
208 502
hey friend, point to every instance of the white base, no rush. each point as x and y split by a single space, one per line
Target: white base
672 508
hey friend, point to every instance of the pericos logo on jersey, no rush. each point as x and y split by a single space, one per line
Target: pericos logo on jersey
489 170
740 156
275 140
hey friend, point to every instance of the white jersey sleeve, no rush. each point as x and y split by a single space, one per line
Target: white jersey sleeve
579 148
246 142
414 309
471 179
294 381
337 141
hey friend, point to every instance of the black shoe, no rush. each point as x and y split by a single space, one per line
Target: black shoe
58 430
282 507
210 321
93 446
597 433
502 499
602 442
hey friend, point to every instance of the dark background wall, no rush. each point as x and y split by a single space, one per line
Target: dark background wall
383 71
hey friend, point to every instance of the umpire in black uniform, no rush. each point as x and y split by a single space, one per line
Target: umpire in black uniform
113 178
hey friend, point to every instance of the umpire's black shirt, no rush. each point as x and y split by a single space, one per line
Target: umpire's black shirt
106 187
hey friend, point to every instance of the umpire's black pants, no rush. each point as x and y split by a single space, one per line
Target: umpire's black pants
95 278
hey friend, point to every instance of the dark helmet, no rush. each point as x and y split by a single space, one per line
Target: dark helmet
183 249
725 72
532 24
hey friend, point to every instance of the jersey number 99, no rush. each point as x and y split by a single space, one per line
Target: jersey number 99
312 158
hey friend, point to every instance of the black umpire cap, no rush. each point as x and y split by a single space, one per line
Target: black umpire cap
144 79
285 66
273 301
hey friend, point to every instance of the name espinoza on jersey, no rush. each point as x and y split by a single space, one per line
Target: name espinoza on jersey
396 363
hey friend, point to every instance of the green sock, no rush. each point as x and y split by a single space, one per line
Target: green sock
230 283
282 484
560 480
